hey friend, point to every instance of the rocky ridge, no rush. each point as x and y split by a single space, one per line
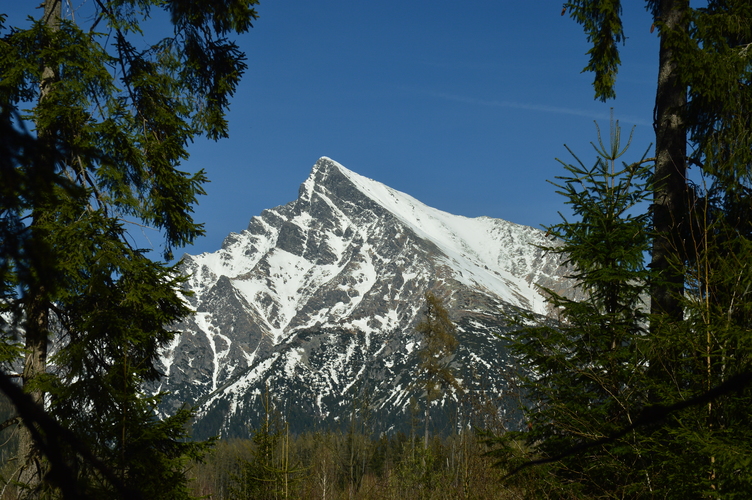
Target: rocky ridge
317 300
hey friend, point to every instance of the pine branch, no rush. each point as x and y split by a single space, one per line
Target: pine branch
653 414
50 436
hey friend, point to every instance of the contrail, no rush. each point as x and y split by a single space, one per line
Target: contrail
539 107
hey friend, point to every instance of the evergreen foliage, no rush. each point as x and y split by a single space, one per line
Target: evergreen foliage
603 27
698 337
703 100
703 449
616 394
113 112
616 386
268 474
631 400
584 372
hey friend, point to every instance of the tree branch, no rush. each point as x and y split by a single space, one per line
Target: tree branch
50 437
649 415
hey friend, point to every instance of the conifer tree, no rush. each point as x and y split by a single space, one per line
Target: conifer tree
703 449
439 342
594 373
702 98
269 474
585 370
112 114
666 437
699 329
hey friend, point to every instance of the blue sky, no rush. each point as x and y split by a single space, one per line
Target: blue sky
463 105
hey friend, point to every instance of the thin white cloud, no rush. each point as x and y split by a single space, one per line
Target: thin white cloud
539 107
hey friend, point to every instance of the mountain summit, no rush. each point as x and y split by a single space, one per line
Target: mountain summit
317 300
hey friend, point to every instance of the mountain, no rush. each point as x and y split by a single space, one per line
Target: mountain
317 300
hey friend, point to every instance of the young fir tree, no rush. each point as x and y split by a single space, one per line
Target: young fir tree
439 341
584 372
112 113
598 371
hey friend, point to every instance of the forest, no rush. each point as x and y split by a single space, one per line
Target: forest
641 390
352 463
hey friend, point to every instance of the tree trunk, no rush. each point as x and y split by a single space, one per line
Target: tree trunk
34 365
669 197
37 305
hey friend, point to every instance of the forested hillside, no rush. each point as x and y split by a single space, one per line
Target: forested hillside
95 119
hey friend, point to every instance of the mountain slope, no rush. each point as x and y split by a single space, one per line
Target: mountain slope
318 299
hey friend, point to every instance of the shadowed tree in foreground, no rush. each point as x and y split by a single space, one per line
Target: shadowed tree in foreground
112 113
662 408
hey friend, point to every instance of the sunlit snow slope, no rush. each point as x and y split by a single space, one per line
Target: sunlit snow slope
319 297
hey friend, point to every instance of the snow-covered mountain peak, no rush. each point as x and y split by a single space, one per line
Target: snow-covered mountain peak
328 289
337 207
493 254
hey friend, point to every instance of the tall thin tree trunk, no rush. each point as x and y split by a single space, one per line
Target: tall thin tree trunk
37 305
34 365
669 199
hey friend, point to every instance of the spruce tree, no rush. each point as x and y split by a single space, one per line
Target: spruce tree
702 100
112 114
584 370
617 396
269 474
704 449
699 328
684 430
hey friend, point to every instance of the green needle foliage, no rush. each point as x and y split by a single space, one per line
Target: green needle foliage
585 371
705 449
269 474
603 27
703 102
642 389
111 111
599 375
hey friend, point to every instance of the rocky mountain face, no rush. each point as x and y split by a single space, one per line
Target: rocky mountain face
317 300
